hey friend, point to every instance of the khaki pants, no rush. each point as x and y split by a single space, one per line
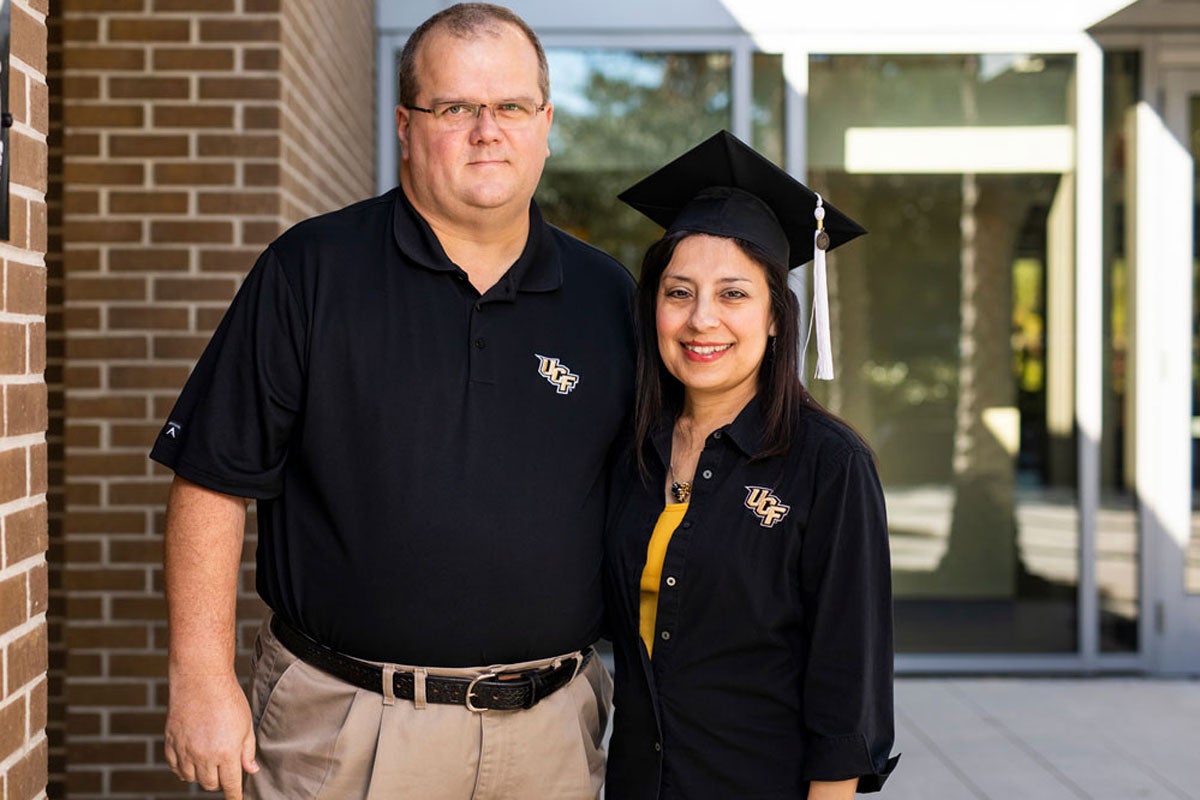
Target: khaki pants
319 737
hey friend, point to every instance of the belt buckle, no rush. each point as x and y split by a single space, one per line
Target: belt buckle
471 688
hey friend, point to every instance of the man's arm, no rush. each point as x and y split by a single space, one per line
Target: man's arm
832 790
209 735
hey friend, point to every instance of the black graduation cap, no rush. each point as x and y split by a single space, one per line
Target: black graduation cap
723 187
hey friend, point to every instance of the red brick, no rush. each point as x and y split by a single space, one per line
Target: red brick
39 590
237 260
148 202
260 232
12 348
144 29
261 174
239 88
104 408
193 59
12 727
193 116
146 723
93 288
147 146
27 777
109 464
27 658
152 607
210 6
80 29
139 436
148 258
25 408
102 116
87 494
106 5
25 290
37 347
79 434
194 289
28 165
105 347
13 479
129 88
107 59
239 145
82 201
141 318
239 30
25 534
93 579
148 377
28 38
101 637
144 782
190 231
81 87
81 318
80 521
102 231
81 376
194 173
261 117
103 173
14 602
39 101
138 551
188 348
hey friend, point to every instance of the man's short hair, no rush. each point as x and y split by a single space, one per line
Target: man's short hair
465 21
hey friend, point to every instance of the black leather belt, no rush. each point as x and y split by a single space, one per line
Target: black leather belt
482 693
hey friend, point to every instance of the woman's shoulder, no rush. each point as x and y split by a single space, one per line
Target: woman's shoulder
827 438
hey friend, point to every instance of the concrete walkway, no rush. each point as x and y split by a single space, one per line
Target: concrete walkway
1046 739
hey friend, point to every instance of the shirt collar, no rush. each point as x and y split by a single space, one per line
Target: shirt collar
747 432
538 269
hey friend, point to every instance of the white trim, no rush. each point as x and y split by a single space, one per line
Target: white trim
918 664
742 89
386 51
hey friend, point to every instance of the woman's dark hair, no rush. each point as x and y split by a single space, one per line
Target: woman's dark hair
780 391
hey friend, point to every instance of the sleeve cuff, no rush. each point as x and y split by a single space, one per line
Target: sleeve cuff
840 758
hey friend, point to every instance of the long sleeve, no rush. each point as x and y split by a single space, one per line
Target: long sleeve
846 579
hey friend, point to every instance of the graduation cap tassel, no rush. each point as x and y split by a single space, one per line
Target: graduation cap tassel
821 297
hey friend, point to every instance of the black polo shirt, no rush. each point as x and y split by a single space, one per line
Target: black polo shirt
430 464
773 643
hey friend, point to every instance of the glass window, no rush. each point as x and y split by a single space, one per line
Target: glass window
954 326
618 115
1118 539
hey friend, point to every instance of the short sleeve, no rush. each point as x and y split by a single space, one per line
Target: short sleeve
229 430
846 578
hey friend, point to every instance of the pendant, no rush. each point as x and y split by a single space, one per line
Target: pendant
681 490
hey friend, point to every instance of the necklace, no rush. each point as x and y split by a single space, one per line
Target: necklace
680 490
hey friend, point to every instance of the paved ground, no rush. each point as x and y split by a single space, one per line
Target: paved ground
1046 739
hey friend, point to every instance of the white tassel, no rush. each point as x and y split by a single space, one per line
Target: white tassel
821 316
821 298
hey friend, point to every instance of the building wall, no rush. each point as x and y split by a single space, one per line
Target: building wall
188 144
24 593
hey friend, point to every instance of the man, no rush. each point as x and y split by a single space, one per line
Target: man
421 391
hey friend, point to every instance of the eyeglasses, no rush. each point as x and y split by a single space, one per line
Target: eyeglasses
456 115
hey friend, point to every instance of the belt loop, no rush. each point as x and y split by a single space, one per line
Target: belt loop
389 685
419 686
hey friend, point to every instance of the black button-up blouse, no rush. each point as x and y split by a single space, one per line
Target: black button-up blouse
773 642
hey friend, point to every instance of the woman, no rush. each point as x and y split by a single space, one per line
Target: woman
748 570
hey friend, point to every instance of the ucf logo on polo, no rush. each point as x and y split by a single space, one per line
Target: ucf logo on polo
557 374
766 506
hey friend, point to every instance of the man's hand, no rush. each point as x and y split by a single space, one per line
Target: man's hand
209 736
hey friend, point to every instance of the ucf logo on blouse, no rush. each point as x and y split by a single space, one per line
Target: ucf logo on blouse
765 506
557 373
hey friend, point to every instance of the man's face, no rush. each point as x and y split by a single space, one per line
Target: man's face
452 174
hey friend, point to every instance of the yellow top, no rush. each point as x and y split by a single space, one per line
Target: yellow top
668 521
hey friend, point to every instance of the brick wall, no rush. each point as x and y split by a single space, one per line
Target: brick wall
193 132
24 593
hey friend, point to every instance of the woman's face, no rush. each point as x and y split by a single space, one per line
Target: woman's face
713 315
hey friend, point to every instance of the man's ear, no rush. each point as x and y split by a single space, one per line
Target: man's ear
403 117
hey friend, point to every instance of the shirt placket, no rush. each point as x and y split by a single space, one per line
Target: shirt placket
671 618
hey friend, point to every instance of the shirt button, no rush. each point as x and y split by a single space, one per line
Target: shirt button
687 523
480 343
658 747
717 435
666 636
707 474
671 581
